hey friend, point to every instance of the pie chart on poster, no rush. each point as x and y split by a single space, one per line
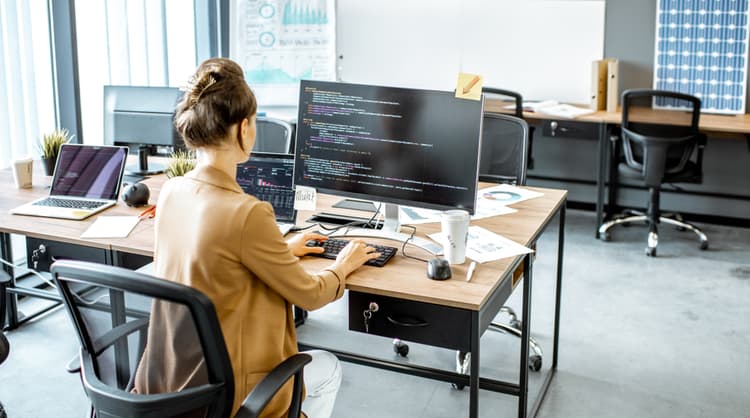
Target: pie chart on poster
501 196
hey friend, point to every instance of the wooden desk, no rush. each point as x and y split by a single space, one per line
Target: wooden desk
459 310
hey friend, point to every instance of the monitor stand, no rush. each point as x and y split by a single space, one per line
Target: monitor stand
143 168
353 204
391 230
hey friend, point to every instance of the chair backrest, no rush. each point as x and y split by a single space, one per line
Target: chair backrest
117 313
659 131
505 144
515 100
273 135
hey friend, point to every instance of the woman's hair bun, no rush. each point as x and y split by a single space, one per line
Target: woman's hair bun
198 86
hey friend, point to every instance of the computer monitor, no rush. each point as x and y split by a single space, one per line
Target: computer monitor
394 145
141 117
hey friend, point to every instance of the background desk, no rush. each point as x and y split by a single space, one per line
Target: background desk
574 154
458 311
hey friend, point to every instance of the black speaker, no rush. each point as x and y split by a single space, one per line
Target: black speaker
136 195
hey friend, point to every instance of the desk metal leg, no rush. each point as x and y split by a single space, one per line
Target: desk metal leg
476 334
600 180
558 289
523 377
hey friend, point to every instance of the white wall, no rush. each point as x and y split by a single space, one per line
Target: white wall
540 48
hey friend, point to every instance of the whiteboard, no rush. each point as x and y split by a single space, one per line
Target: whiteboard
542 49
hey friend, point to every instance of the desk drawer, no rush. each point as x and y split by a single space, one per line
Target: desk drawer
570 129
419 322
60 250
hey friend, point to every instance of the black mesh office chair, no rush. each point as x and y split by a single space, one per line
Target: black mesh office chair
661 144
111 309
273 135
503 159
515 102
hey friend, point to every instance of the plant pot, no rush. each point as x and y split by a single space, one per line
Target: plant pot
49 165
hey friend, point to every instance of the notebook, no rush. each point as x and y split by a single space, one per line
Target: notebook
270 177
86 181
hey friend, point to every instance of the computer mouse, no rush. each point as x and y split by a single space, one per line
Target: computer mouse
136 195
438 269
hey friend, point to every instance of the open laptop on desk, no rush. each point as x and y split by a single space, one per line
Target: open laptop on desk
270 177
86 180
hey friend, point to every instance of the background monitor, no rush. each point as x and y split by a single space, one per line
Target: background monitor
141 117
393 145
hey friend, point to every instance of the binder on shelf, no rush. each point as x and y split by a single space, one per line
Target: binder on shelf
613 81
599 85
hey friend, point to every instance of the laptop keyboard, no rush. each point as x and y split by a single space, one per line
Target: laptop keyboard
70 203
333 246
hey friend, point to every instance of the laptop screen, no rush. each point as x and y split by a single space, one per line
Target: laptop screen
270 177
89 171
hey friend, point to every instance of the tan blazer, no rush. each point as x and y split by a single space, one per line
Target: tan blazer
212 236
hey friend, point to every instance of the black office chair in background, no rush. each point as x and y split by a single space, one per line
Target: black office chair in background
661 144
273 135
503 159
516 109
111 309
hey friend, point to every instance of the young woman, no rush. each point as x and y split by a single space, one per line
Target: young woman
212 236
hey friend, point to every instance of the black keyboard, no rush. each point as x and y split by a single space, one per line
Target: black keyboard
70 203
334 246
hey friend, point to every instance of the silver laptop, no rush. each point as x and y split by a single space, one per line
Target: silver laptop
270 177
87 180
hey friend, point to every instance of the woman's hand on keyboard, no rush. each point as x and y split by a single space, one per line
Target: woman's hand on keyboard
297 244
354 255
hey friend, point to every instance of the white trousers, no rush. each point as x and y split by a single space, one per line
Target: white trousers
322 378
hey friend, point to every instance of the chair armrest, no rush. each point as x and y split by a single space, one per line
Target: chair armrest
269 385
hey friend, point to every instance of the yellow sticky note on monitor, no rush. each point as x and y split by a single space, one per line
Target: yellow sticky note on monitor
469 86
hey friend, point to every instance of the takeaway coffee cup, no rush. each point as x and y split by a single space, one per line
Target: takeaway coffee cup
22 169
455 224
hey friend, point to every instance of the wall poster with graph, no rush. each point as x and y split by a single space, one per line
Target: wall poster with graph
702 49
280 42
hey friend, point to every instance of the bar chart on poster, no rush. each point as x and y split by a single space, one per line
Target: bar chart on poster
279 42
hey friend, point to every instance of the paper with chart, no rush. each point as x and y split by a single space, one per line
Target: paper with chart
280 42
484 245
505 194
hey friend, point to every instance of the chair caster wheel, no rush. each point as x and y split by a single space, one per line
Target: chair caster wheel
535 363
400 348
704 245
515 324
651 251
605 236
457 386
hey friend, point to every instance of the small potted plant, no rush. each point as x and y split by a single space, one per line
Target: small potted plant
180 162
50 148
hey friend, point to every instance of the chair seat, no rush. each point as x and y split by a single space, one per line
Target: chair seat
690 174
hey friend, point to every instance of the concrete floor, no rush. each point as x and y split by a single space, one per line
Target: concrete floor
640 337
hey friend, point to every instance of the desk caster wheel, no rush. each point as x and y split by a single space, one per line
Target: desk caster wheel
651 251
400 348
535 363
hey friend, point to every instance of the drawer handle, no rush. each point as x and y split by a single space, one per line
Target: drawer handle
407 321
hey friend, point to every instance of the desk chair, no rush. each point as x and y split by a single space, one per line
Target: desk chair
516 110
659 139
273 135
503 159
111 309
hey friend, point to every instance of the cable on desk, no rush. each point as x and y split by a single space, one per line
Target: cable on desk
403 246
